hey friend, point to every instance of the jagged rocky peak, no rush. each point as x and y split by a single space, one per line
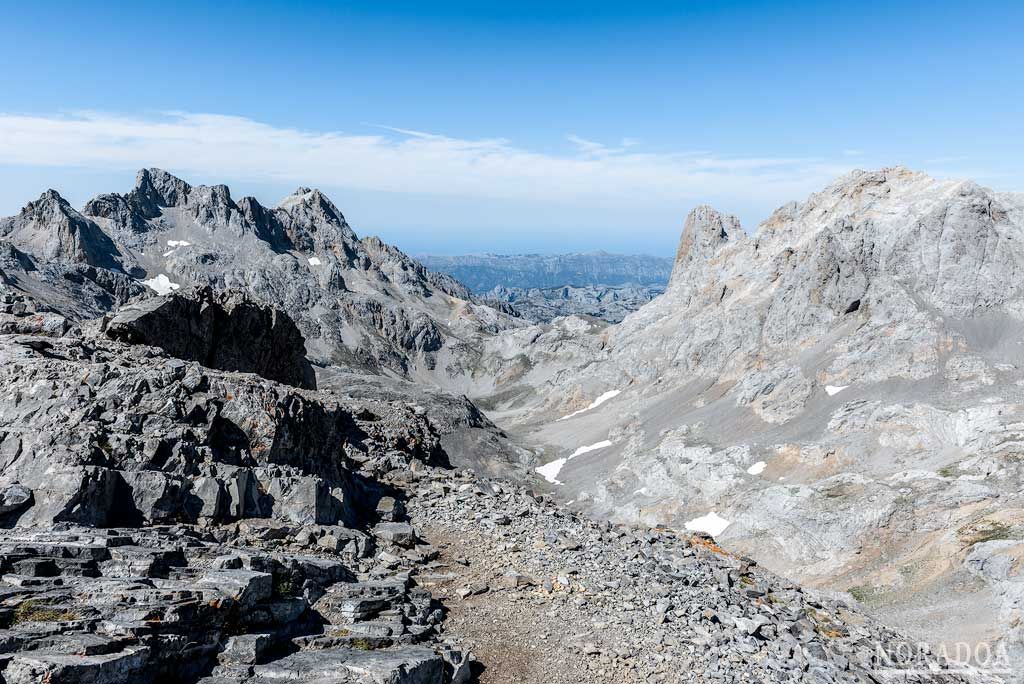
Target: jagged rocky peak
358 303
51 229
155 189
705 232
402 270
313 222
953 243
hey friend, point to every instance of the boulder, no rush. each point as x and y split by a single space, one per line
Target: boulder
14 497
399 534
224 330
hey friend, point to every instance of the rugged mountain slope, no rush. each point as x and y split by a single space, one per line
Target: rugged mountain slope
360 303
484 272
840 395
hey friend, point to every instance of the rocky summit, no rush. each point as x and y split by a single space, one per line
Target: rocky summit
242 445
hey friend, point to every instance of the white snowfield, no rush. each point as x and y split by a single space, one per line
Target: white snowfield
833 390
178 243
611 394
585 449
161 284
314 261
757 468
549 471
711 523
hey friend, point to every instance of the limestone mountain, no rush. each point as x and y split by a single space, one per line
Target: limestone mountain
839 394
359 302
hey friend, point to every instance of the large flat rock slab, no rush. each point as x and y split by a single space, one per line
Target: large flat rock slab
407 665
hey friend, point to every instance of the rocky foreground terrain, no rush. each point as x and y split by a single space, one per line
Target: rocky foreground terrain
167 521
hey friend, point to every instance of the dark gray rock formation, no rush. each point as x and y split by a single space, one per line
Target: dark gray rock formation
224 330
144 439
64 261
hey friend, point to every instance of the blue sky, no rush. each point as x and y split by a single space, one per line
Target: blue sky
455 127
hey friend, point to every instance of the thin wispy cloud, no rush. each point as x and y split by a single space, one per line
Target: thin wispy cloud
403 160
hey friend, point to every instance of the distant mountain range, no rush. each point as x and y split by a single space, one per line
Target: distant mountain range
484 272
541 305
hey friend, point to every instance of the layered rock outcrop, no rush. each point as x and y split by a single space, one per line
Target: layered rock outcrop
168 521
224 330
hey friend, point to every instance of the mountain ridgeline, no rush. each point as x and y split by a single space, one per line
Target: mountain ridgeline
359 302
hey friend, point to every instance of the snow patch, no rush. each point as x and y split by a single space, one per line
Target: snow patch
757 468
591 447
314 261
611 394
549 471
178 243
711 523
161 284
833 390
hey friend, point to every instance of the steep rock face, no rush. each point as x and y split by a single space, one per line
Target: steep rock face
843 389
51 229
64 261
223 330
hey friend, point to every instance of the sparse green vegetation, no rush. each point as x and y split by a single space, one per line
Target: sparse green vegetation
285 587
983 531
36 611
862 592
363 644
